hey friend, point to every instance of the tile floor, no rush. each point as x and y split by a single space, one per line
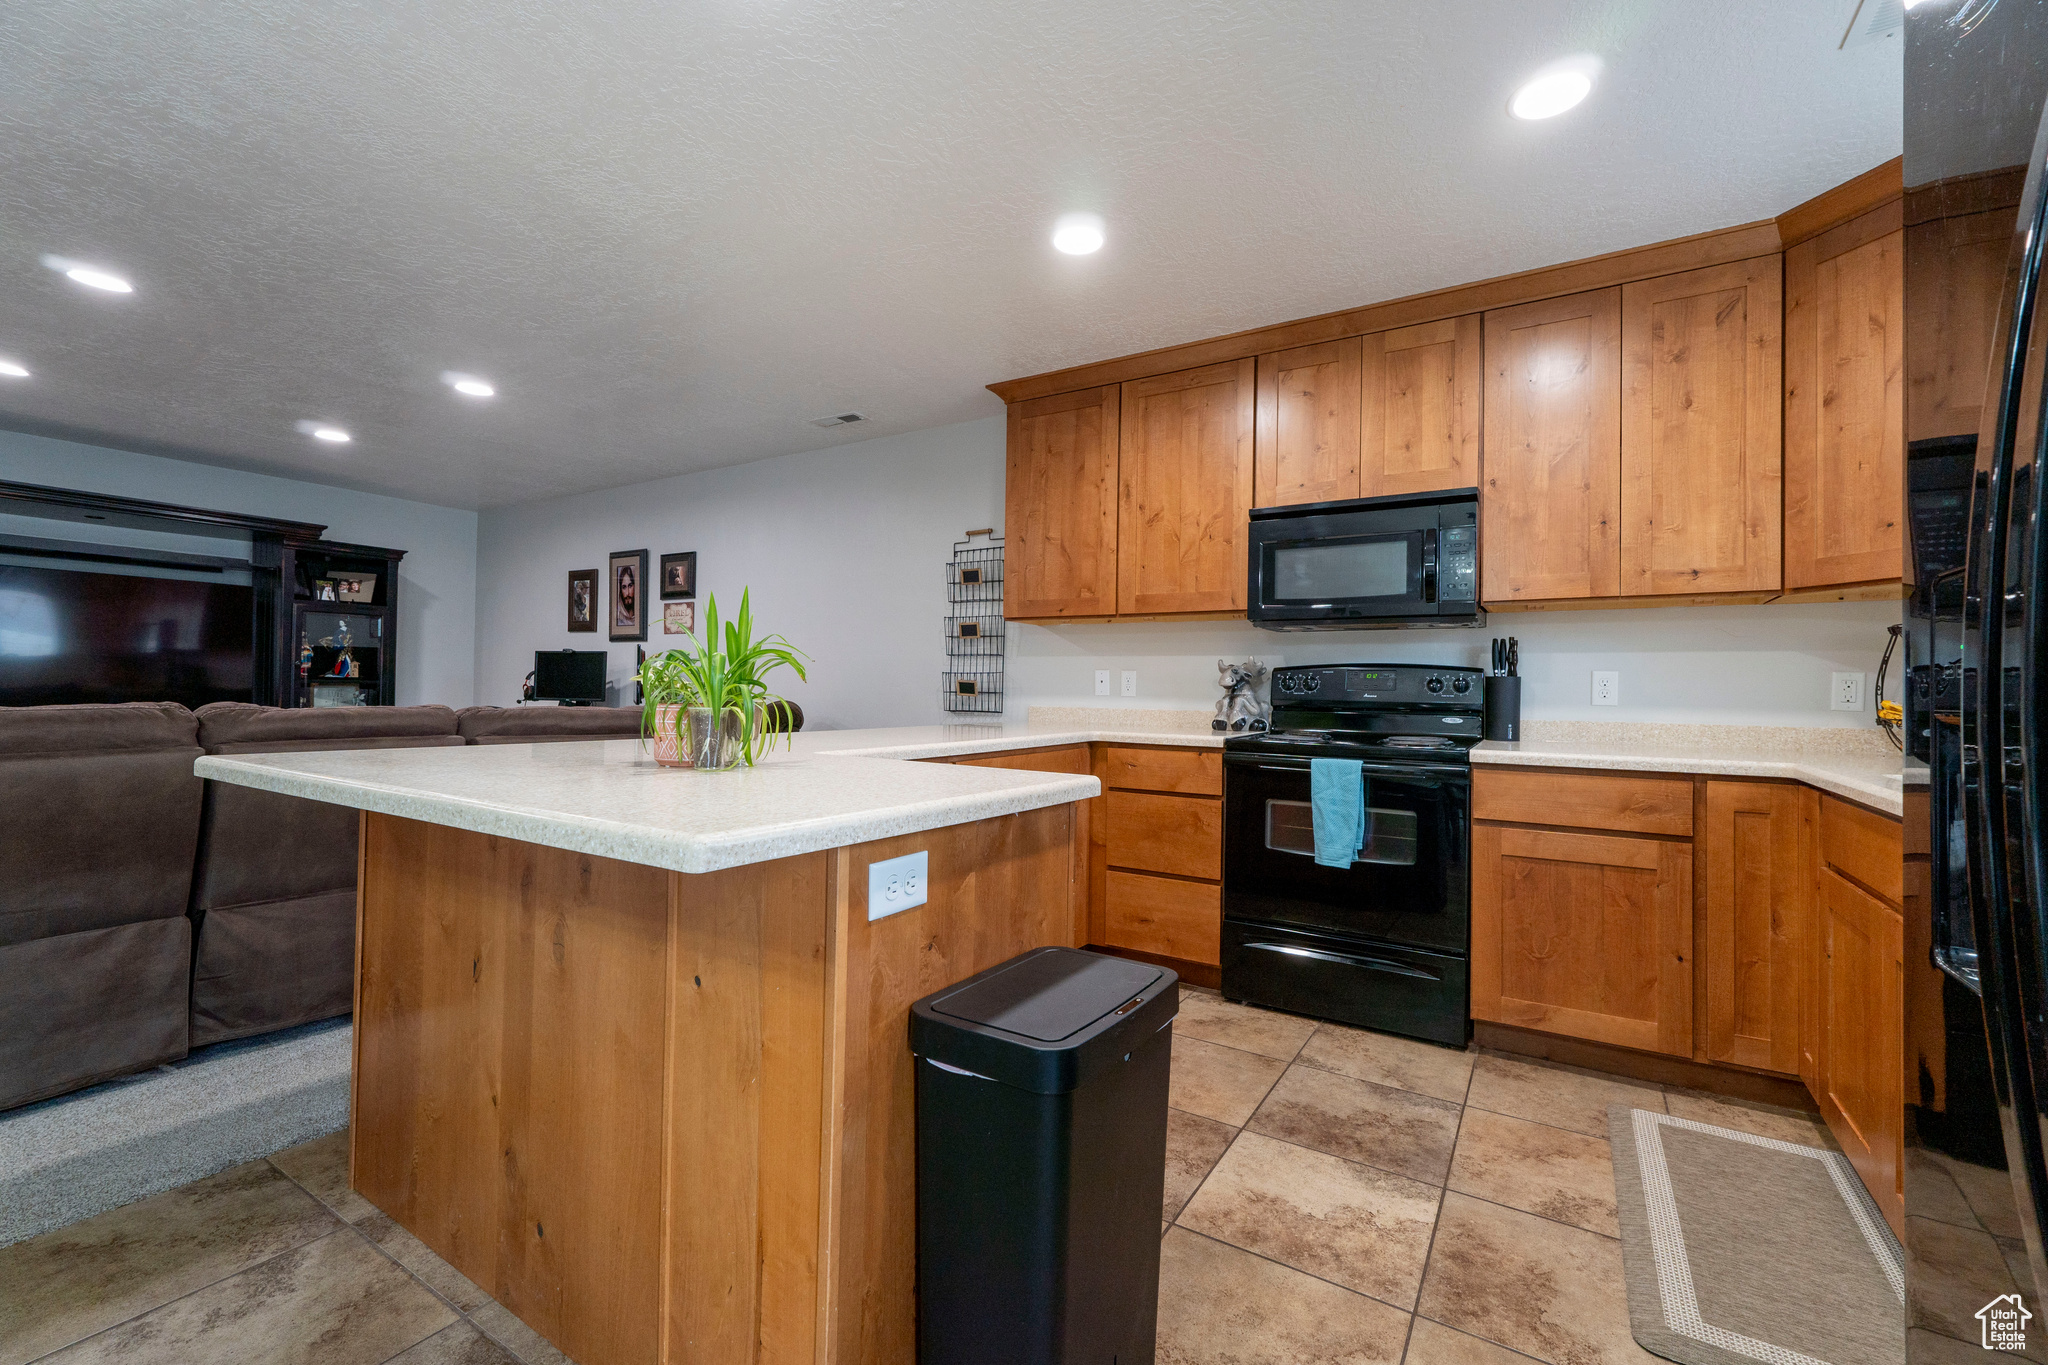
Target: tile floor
1333 1197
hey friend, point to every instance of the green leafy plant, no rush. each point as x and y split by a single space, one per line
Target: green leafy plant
726 672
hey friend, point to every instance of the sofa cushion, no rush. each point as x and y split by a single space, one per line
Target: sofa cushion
538 724
80 1008
273 965
102 814
239 722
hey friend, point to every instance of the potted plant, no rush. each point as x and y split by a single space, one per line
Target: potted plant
711 695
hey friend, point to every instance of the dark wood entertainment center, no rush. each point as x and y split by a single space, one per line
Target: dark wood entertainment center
288 562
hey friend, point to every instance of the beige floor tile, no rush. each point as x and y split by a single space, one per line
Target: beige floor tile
1395 1130
458 1344
515 1336
1219 1083
1547 1290
1219 1305
330 1302
1267 1032
321 1167
1953 1272
1536 1168
1760 1120
1404 1063
1555 1095
68 1284
1363 1228
1192 1145
421 1259
1432 1343
1988 1193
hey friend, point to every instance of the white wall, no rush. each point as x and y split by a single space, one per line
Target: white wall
844 551
436 579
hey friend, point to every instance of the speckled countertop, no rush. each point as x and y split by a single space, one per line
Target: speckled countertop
608 797
1858 765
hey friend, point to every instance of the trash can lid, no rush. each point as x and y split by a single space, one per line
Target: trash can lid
1049 996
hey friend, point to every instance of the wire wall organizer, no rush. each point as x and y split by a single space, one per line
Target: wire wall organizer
973 680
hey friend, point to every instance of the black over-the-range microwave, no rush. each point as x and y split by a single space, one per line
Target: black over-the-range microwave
1407 560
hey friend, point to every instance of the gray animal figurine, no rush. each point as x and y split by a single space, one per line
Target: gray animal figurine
1240 709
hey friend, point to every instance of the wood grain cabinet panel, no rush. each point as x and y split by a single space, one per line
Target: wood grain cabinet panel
1760 860
1185 463
1587 935
1862 1090
1634 803
1181 836
1193 772
1701 466
1419 415
1550 514
1308 429
1845 413
1863 846
1059 506
1165 916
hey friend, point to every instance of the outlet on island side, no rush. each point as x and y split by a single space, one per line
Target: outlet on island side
1101 682
1845 692
1606 687
1130 682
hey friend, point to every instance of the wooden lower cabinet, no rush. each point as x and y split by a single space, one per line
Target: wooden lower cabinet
1862 1083
1759 848
1588 935
1164 915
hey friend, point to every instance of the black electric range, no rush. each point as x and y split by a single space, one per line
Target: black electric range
1384 943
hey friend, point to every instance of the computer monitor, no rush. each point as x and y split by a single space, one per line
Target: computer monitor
572 676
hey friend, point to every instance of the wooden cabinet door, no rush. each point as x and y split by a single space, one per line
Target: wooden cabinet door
1186 467
1845 408
1420 412
1588 935
1761 861
1701 460
1059 506
1550 504
1862 1093
1307 444
1955 275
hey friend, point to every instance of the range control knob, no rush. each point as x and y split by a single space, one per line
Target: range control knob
1461 685
1435 685
1312 682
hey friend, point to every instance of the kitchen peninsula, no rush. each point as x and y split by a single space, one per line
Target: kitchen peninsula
630 1051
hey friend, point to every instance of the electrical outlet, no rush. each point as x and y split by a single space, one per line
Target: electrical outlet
1101 682
1845 691
897 884
1606 688
1130 682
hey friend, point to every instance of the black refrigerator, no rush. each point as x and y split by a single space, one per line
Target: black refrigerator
1975 971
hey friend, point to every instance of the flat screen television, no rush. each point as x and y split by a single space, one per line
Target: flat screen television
70 635
571 675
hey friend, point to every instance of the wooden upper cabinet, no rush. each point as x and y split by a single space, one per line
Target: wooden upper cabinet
1845 412
1186 471
1308 427
1955 273
1060 506
1419 418
1761 862
1550 505
1700 420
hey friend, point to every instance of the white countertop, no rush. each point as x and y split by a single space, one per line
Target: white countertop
1856 765
609 798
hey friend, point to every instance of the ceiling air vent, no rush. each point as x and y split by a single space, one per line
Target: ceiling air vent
1871 20
844 419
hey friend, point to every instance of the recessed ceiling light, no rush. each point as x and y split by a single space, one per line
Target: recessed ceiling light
91 276
1078 234
1556 88
324 431
13 369
468 385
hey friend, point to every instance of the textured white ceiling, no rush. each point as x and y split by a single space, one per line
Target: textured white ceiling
674 230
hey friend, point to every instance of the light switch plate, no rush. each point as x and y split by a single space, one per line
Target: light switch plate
1101 682
898 884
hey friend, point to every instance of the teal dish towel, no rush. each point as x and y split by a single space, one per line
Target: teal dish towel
1336 789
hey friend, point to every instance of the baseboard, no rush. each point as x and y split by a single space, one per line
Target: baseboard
1734 1083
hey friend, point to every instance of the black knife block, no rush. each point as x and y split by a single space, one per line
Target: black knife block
1503 707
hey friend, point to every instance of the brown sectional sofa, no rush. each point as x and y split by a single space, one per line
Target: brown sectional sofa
144 912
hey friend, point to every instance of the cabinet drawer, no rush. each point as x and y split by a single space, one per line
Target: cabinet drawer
1196 772
1864 847
1629 802
1160 915
1181 835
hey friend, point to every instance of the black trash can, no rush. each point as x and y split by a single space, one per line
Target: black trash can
1041 1161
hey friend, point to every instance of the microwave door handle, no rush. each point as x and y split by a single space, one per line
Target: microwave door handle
1429 566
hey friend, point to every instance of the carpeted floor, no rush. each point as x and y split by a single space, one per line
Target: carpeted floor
82 1154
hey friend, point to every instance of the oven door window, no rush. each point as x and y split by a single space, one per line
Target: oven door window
1389 832
1375 570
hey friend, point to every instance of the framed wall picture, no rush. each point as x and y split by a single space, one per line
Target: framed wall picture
678 576
582 599
629 595
361 587
678 618
323 590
